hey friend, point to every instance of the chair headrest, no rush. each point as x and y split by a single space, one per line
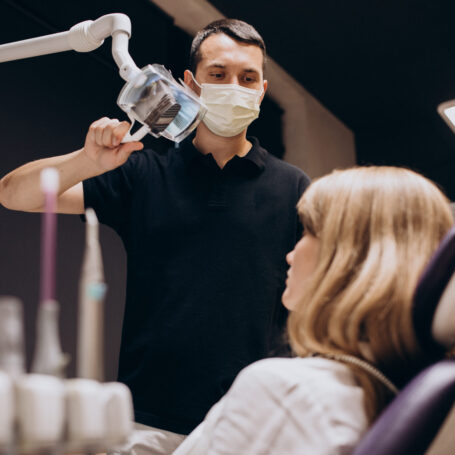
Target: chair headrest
434 299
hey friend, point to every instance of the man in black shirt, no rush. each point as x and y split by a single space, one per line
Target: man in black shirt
206 227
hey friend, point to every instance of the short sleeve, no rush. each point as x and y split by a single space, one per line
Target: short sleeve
110 194
304 182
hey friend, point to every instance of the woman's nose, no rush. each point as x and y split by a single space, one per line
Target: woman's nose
290 257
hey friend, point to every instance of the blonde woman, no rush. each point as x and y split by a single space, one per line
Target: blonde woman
368 233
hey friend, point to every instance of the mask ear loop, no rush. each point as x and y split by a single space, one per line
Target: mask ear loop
195 81
187 87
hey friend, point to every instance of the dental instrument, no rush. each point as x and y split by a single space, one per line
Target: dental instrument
48 356
12 357
92 290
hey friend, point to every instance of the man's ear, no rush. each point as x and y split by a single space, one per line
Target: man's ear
188 79
265 89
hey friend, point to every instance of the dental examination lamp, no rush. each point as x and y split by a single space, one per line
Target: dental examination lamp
447 111
151 95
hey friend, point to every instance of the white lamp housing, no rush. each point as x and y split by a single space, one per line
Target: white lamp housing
447 111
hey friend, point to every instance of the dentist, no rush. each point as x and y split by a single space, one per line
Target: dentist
206 228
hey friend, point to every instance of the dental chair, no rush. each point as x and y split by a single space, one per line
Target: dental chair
412 420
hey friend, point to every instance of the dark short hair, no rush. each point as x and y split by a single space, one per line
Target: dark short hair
234 28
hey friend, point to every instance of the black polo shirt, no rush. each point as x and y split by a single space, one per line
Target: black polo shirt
205 271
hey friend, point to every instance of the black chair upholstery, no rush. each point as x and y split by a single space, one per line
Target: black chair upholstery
411 422
430 289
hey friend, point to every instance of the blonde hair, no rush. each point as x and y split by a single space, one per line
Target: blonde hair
377 227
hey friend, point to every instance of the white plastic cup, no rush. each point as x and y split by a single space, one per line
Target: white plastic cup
7 409
118 412
85 411
40 408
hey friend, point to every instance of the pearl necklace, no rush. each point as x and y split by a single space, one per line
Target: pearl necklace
373 371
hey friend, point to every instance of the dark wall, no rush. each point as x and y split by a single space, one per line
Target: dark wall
46 106
381 67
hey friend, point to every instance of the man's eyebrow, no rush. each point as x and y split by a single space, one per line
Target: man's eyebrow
245 70
217 65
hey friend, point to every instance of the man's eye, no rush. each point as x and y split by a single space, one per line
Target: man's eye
249 79
217 75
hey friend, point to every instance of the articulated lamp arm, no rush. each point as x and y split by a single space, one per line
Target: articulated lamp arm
83 37
151 96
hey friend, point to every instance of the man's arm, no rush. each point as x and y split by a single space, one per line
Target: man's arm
102 152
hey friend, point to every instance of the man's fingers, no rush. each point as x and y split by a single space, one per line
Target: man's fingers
99 130
98 122
119 132
105 136
92 129
104 132
108 134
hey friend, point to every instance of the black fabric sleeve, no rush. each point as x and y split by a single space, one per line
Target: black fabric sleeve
109 194
304 182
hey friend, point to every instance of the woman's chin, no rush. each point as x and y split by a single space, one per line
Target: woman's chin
286 300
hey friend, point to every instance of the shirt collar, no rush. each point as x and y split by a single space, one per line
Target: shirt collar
254 158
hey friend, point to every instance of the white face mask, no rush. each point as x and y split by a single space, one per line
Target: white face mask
230 107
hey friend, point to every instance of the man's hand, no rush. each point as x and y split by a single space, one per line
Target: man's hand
103 144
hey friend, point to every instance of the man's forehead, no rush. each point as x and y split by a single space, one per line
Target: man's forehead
220 50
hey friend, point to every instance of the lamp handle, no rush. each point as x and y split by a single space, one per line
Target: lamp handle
138 135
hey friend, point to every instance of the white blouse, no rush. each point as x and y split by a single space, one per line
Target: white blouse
284 406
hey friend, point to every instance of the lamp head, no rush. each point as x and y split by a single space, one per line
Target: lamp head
162 105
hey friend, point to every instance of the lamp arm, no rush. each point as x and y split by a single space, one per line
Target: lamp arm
83 37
